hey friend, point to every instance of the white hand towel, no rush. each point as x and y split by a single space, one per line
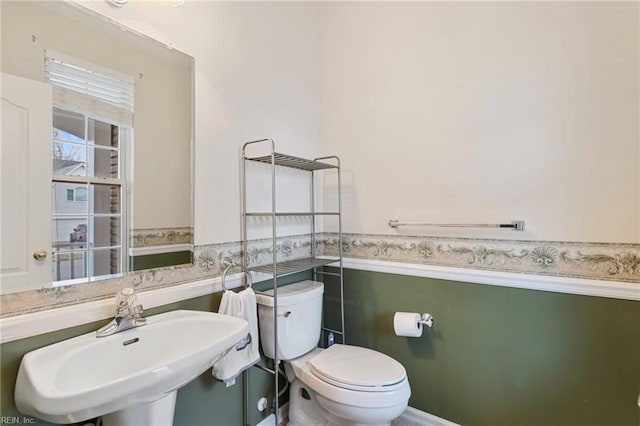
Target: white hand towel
241 305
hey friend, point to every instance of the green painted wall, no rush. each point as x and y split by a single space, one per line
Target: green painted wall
496 356
503 356
160 260
204 401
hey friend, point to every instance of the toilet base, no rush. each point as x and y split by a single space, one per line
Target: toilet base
306 410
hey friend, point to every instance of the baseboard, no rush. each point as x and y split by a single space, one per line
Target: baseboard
413 416
270 420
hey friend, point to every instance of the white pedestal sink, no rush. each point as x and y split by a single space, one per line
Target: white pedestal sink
130 377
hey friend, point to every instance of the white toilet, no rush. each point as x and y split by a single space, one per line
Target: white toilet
341 385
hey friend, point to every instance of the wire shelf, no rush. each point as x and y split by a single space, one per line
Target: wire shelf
299 265
293 162
284 214
293 266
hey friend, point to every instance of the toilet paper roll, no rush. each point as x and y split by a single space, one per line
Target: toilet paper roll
407 324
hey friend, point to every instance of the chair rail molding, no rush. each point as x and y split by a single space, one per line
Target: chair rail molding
593 269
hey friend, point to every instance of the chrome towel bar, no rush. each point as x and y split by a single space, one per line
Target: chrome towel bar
515 225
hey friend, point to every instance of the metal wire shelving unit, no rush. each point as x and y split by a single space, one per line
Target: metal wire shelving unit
312 263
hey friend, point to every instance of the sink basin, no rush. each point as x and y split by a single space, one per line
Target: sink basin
86 377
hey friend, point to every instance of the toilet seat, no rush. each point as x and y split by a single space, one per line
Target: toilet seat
359 369
368 397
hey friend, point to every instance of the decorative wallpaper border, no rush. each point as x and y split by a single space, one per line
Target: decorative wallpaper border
208 258
161 237
207 261
596 261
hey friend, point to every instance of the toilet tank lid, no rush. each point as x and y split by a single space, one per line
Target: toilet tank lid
292 294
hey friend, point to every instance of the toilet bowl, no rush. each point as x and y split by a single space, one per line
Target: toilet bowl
340 385
350 383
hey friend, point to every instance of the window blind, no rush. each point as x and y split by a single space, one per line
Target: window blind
90 89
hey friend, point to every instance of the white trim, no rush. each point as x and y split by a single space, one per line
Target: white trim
415 416
170 248
88 179
28 325
580 286
23 326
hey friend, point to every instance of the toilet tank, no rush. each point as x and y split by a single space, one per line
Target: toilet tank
299 316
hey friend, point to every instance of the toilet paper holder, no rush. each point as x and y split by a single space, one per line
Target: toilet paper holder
427 320
410 324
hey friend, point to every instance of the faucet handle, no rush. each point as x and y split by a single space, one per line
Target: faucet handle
135 310
127 303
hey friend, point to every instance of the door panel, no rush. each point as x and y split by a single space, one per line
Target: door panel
25 157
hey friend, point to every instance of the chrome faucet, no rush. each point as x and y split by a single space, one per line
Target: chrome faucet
128 314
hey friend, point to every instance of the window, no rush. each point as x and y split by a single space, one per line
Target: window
77 194
91 133
80 194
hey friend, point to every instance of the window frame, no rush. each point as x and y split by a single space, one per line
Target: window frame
123 182
95 109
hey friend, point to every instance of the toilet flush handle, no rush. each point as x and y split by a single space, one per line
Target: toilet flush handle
286 314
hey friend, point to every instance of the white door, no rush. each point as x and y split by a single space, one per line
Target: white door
25 156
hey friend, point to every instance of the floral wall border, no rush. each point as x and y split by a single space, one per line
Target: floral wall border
207 261
597 261
161 237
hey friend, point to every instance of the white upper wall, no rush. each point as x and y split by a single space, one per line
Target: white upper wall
486 112
257 75
440 111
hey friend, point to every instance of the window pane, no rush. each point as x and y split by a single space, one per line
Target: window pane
69 265
106 199
62 205
106 262
106 231
103 134
69 232
103 162
68 126
80 193
69 159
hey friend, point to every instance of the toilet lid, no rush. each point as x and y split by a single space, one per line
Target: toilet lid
353 367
